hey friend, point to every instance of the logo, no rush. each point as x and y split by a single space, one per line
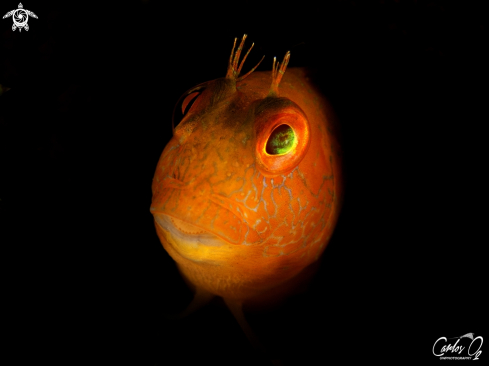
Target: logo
466 347
20 17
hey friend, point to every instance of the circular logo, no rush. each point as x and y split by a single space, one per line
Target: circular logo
20 17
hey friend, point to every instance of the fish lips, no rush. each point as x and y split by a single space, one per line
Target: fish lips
186 234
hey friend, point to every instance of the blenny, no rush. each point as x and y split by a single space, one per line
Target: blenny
247 193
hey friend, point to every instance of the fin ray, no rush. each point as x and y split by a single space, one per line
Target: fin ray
201 298
236 309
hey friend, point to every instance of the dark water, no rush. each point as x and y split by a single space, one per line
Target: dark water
89 112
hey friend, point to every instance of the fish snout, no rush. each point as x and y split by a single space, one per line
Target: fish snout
198 216
185 233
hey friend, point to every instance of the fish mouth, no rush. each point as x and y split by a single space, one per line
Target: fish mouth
184 234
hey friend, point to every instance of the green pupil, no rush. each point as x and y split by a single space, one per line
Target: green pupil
281 140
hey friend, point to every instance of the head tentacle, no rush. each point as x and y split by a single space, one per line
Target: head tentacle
277 74
233 68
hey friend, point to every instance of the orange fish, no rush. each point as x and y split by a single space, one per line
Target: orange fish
247 193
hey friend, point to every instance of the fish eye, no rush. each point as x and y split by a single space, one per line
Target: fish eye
281 140
189 101
282 136
185 104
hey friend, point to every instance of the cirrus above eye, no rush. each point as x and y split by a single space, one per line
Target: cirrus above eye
281 140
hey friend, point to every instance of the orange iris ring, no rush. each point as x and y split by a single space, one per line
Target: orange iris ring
283 163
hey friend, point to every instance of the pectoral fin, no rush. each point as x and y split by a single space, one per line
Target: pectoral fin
201 298
236 309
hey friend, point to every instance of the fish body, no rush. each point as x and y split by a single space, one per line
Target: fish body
247 193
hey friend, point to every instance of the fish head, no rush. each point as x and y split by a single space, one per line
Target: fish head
245 194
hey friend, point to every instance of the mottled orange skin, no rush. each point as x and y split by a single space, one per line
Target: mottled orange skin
209 175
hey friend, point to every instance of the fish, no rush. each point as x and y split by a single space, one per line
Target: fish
248 191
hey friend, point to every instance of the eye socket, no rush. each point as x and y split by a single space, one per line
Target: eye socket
282 136
188 102
185 104
281 140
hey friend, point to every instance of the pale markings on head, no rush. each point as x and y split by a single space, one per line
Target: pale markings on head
242 205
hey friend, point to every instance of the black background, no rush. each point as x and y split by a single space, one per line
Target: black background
89 112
